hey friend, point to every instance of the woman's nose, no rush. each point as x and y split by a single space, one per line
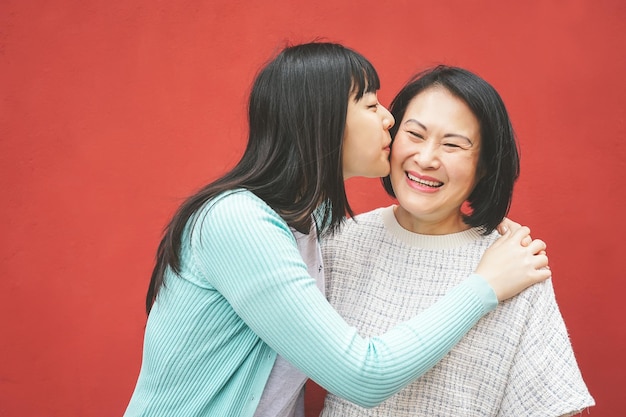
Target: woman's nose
388 120
427 155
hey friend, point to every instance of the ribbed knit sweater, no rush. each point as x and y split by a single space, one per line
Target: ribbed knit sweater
517 361
244 294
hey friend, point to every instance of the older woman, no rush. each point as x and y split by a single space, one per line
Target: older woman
454 161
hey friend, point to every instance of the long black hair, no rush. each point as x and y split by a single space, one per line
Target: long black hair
498 165
293 159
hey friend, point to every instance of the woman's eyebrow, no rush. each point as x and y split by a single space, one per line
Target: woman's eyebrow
416 122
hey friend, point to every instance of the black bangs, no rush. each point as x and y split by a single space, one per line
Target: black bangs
364 77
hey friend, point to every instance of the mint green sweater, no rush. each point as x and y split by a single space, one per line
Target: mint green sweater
244 294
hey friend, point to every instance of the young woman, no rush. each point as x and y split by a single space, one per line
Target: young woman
236 319
454 161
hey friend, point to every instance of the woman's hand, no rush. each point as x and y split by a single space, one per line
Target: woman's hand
509 266
508 224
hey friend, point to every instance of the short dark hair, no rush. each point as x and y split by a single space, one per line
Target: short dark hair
293 159
498 165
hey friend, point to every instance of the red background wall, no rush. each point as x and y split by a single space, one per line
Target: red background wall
112 111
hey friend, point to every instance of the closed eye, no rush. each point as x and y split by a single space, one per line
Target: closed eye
415 134
452 146
456 141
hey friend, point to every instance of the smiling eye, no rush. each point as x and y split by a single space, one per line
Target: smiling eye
454 145
415 134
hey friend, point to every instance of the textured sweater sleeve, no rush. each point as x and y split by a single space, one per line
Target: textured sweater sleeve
247 252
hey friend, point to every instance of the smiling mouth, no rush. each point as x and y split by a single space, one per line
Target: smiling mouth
432 184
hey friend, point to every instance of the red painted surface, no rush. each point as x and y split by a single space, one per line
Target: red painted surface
112 111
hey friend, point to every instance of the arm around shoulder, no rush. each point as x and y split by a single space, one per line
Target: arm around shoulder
247 252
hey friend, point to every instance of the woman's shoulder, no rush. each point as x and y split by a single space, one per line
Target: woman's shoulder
237 209
369 218
359 227
233 203
235 197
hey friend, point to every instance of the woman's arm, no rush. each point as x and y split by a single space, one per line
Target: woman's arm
247 252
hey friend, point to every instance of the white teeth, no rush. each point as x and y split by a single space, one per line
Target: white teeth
424 182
